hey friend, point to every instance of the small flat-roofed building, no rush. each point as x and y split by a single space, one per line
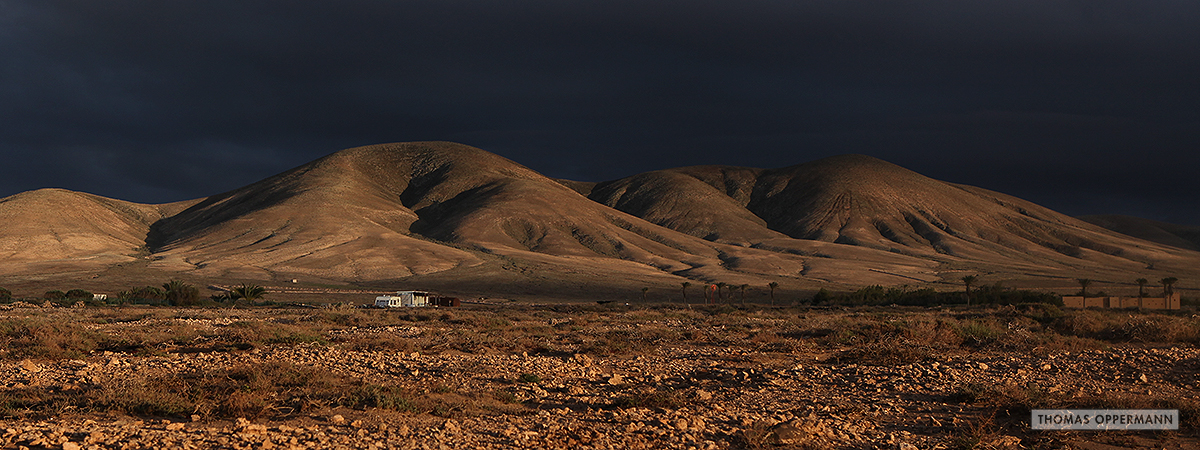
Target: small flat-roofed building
403 299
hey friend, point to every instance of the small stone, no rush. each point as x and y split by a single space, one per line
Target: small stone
175 426
790 433
703 395
1006 442
1143 378
70 446
195 417
337 419
983 366
615 380
681 424
30 366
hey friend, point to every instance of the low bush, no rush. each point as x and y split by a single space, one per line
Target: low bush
888 353
995 294
43 338
78 294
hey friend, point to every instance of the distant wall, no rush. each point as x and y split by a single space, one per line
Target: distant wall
1095 302
1129 302
1168 302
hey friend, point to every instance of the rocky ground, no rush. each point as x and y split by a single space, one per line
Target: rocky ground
696 393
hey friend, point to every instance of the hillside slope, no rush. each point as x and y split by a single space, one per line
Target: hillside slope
49 230
397 210
864 202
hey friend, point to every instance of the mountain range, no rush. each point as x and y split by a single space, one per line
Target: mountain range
438 215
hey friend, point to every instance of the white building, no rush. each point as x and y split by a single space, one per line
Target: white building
403 299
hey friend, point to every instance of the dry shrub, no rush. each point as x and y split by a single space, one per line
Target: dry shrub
272 389
762 435
1126 326
42 338
379 342
150 340
1006 400
1189 408
629 341
384 397
979 334
1083 323
1153 328
255 332
651 398
1015 402
895 352
772 342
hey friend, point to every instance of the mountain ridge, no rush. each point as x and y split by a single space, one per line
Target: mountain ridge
441 213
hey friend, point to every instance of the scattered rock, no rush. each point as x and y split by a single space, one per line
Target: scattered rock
30 366
681 424
1006 442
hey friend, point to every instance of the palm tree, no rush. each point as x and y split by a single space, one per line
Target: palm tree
644 294
731 288
743 288
1168 285
1141 282
249 292
180 293
720 286
683 288
968 281
1083 285
773 285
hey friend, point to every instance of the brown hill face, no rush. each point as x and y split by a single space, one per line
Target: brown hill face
865 202
459 219
706 202
55 229
390 211
1182 236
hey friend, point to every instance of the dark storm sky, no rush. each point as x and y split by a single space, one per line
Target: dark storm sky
1083 106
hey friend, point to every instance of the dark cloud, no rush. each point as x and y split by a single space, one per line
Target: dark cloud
1084 106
